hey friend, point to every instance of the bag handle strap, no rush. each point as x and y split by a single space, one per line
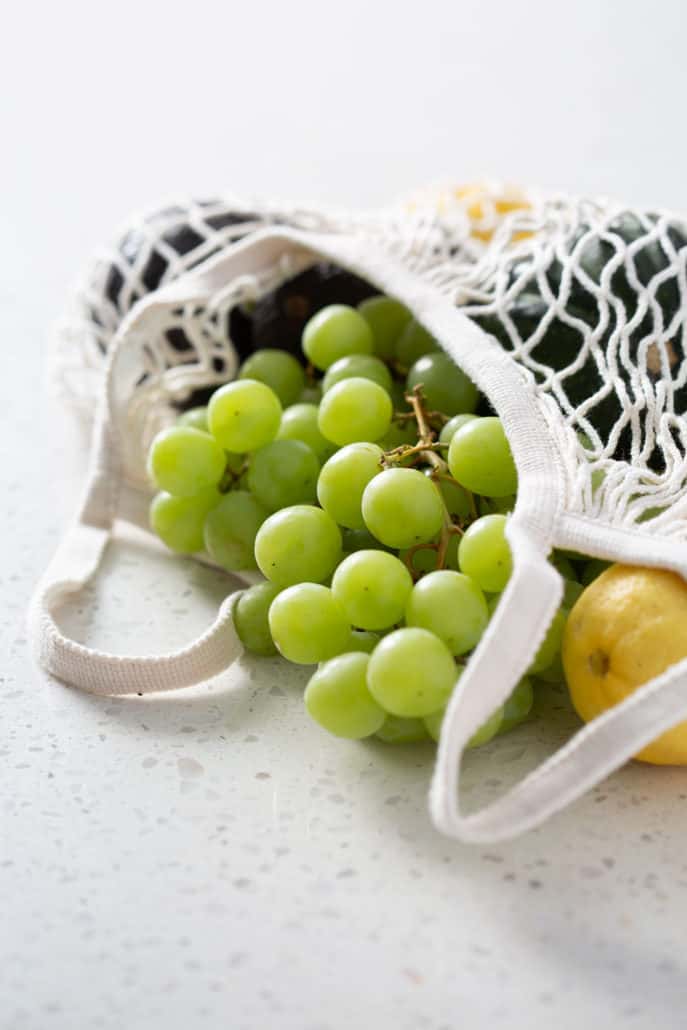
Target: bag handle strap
81 549
97 672
76 561
593 753
529 602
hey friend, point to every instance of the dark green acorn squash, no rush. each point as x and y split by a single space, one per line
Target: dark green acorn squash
583 262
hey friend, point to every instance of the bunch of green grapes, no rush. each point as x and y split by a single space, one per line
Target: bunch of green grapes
374 500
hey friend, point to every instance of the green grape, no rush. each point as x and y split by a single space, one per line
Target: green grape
493 603
354 410
236 463
563 565
571 592
299 422
484 554
551 644
398 399
453 425
456 498
553 673
411 672
196 418
572 556
342 481
445 386
397 730
479 457
433 723
244 415
517 707
277 369
386 318
434 720
487 730
597 478
413 343
401 507
504 505
399 434
308 624
360 366
598 474
484 506
426 559
182 461
372 587
338 699
484 734
496 505
362 640
251 618
645 516
310 394
231 528
298 544
358 540
593 569
450 605
178 521
283 473
421 559
335 332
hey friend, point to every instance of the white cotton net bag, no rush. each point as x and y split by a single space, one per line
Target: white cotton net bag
570 317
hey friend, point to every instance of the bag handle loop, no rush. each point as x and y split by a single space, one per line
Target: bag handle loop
529 602
81 549
593 753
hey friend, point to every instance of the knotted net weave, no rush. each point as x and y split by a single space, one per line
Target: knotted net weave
568 313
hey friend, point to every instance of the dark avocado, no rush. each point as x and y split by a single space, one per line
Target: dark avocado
278 319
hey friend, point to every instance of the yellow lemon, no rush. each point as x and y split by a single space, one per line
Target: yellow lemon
485 207
628 626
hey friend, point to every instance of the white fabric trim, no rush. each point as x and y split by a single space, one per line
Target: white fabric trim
531 597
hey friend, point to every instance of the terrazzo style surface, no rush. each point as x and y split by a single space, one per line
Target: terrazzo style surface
212 859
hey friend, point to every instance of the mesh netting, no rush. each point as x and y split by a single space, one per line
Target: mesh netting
582 306
591 300
197 346
153 250
587 297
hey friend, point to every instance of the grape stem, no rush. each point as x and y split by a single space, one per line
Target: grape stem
426 435
230 477
431 416
410 554
428 445
405 450
441 470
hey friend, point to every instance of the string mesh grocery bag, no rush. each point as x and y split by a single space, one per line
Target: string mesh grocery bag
569 315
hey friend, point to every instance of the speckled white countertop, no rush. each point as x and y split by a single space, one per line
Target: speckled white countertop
211 860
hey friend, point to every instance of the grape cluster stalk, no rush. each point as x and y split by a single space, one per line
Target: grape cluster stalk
371 486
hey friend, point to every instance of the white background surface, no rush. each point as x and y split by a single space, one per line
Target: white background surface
211 860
